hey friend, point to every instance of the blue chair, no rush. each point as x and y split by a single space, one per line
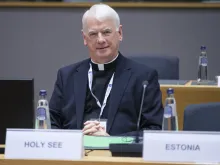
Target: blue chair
166 66
202 117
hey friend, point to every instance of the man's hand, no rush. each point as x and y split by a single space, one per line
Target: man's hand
90 127
93 128
101 132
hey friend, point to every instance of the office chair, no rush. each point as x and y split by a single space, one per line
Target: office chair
202 117
166 66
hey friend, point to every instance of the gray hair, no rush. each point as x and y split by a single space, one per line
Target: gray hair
101 12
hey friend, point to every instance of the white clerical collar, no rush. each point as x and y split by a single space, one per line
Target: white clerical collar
102 66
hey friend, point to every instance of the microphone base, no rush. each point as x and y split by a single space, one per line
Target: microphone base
2 150
126 150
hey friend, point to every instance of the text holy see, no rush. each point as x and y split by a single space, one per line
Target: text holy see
32 144
172 147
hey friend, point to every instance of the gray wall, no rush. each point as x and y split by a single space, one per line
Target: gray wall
35 42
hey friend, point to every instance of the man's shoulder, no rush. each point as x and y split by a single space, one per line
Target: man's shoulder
139 67
73 67
142 72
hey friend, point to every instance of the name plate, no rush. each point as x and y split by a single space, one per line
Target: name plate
180 146
44 144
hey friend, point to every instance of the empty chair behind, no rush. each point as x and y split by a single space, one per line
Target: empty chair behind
202 117
166 66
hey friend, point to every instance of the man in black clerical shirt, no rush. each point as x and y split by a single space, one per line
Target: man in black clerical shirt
107 86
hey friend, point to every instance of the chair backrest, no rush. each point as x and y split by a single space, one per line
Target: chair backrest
166 66
202 117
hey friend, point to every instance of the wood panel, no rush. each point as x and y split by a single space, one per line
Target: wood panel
186 95
113 4
87 160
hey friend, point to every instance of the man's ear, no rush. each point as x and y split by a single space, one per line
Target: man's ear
120 33
84 38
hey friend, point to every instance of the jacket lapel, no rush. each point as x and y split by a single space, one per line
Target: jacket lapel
80 87
121 79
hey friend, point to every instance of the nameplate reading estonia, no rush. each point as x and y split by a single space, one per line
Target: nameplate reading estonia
44 144
179 146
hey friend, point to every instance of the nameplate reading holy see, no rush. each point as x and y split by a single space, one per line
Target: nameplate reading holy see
44 144
181 146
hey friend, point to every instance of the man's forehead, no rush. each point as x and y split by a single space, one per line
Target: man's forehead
94 24
99 29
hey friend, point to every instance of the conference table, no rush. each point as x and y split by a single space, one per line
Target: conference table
96 157
185 95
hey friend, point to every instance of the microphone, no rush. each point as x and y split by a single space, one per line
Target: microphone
135 148
144 84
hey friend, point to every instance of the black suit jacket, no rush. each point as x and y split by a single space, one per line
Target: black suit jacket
68 98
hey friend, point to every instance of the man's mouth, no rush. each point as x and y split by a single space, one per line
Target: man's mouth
102 48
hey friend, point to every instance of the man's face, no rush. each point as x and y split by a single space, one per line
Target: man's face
102 39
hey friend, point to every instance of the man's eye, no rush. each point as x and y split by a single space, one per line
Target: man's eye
107 32
92 34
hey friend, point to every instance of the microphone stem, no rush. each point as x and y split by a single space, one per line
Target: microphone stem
137 139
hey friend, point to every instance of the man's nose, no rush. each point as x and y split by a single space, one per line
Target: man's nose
101 39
